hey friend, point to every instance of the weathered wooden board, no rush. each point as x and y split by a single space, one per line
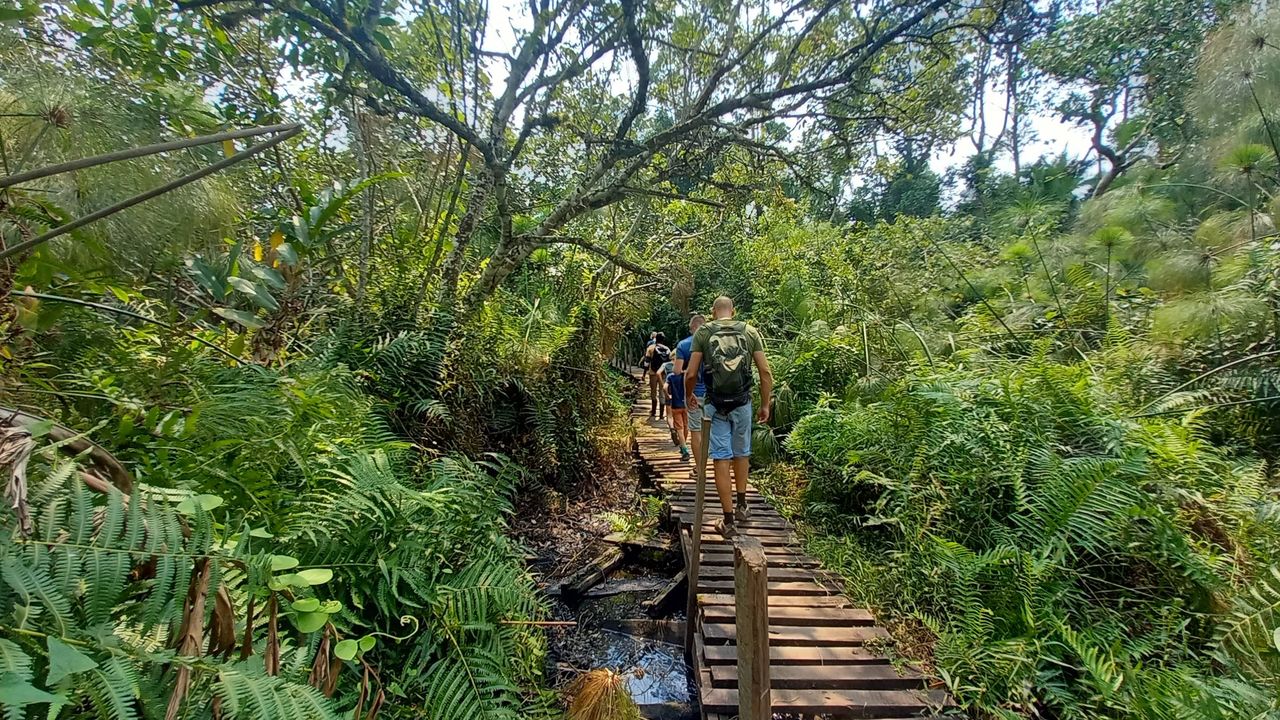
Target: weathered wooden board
728 655
782 635
845 703
791 615
830 677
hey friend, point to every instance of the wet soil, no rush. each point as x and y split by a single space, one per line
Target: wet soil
560 535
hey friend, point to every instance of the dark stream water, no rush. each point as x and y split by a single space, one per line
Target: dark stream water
613 632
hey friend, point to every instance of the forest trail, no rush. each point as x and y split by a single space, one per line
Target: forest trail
823 660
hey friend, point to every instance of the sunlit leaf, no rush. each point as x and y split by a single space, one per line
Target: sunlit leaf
346 649
246 319
310 621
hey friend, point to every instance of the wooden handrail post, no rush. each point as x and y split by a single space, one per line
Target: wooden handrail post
695 547
751 602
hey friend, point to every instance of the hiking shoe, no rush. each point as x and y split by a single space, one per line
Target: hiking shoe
725 528
684 454
741 513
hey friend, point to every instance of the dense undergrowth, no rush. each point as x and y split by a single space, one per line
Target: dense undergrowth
1066 556
263 433
337 556
1037 432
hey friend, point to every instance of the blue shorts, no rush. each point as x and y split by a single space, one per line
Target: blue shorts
731 433
695 416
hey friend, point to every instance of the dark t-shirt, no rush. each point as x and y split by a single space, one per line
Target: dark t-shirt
675 382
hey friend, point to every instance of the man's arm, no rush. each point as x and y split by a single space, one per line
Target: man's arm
766 385
691 378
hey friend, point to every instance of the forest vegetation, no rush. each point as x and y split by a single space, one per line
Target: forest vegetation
262 433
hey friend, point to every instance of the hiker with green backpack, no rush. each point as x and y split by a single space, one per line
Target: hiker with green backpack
729 348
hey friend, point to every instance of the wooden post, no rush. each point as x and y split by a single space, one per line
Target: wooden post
751 601
695 555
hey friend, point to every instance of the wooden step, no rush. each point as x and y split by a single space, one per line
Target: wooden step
826 677
792 655
776 560
839 601
838 703
775 587
790 615
800 636
715 572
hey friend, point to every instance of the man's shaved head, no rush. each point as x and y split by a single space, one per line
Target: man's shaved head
722 307
696 321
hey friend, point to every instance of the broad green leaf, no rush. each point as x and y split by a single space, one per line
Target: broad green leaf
306 605
300 231
367 642
40 428
310 622
16 692
287 254
315 576
204 502
257 293
272 278
282 562
65 660
264 533
206 276
1275 638
331 607
346 649
244 318
21 12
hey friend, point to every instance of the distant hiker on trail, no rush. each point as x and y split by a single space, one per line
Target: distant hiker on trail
678 417
655 356
684 351
730 347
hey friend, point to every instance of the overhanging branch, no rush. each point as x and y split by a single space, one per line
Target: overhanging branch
591 248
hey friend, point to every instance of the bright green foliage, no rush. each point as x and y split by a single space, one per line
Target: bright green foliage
1058 550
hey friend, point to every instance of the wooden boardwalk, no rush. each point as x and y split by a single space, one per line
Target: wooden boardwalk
823 660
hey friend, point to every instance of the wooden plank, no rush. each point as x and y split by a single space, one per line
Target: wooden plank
694 557
839 601
591 575
751 578
841 703
789 587
791 655
715 572
713 538
764 533
832 677
791 615
776 559
800 635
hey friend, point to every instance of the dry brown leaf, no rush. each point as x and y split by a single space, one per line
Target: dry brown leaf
16 445
222 626
319 677
191 632
272 660
246 649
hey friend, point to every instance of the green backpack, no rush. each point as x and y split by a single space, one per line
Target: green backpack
729 362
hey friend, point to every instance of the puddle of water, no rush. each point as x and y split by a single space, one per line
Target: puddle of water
655 671
613 633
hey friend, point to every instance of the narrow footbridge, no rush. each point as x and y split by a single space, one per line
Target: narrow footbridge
821 648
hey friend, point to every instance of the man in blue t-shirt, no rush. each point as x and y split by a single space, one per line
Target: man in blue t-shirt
684 351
